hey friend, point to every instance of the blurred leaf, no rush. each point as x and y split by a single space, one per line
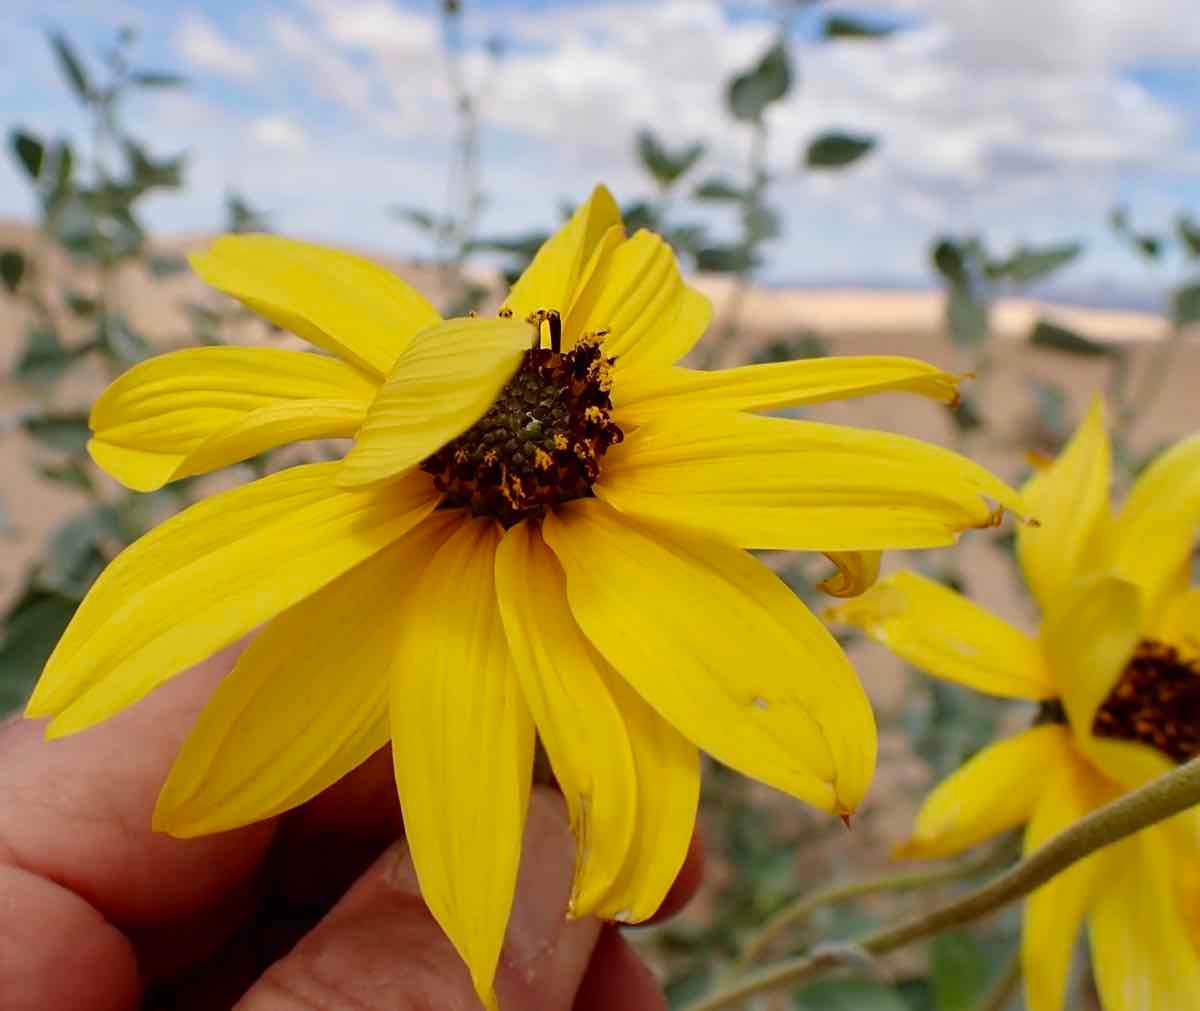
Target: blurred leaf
165 265
1028 264
469 298
524 246
79 303
117 338
64 161
157 79
29 150
416 216
66 432
1053 410
242 217
847 26
70 472
837 149
683 987
12 268
966 316
153 173
749 93
78 550
1189 234
1150 246
665 165
716 189
785 349
949 260
967 416
71 67
29 635
1185 305
640 214
686 238
848 995
1059 338
960 970
760 222
725 260
44 358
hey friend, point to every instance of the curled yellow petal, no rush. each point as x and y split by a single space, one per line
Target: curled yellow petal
443 382
1179 623
1070 500
797 485
995 791
719 646
948 636
856 573
462 745
642 394
193 411
336 300
209 575
279 729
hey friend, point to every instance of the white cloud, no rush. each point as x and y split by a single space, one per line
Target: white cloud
278 133
203 47
332 74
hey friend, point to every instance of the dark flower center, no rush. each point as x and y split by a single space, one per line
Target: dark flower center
540 443
1156 701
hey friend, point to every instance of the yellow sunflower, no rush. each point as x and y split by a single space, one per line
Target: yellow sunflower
1116 668
539 531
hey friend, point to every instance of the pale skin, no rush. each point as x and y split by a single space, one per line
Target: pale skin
318 909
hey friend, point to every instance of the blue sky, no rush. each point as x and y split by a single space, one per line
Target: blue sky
1018 119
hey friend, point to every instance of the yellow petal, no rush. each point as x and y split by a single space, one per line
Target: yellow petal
856 572
567 685
337 301
279 729
720 647
550 281
1088 637
993 792
1055 911
637 295
1070 500
797 485
668 785
209 575
1143 955
462 742
948 636
189 412
1179 623
444 382
1156 529
642 394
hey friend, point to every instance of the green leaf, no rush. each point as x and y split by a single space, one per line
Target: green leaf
157 79
760 222
806 344
29 635
966 316
640 214
949 260
149 173
119 340
166 265
43 360
64 162
29 150
70 472
967 416
80 304
837 149
718 189
71 67
1189 234
1060 338
749 93
847 26
1032 263
242 217
66 432
78 550
415 216
1185 305
665 165
960 970
725 260
849 995
12 268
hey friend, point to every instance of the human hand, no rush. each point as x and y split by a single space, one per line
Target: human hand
316 909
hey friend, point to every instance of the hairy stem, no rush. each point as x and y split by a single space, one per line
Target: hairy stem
1156 801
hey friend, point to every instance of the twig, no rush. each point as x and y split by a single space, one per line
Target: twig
1156 801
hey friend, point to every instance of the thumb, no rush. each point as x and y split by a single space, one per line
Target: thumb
380 947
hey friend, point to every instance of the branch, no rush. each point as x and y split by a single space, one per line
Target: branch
1156 801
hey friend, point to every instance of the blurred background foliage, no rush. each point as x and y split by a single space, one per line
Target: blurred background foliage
768 855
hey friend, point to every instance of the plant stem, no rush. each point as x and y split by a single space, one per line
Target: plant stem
1156 801
1005 988
795 913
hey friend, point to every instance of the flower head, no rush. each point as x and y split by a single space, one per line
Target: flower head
1116 669
539 531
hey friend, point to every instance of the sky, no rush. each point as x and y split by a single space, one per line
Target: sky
1025 120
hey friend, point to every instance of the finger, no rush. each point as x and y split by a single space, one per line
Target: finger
380 947
617 979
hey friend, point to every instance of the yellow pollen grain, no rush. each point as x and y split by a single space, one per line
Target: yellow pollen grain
542 460
594 414
560 441
489 457
460 455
